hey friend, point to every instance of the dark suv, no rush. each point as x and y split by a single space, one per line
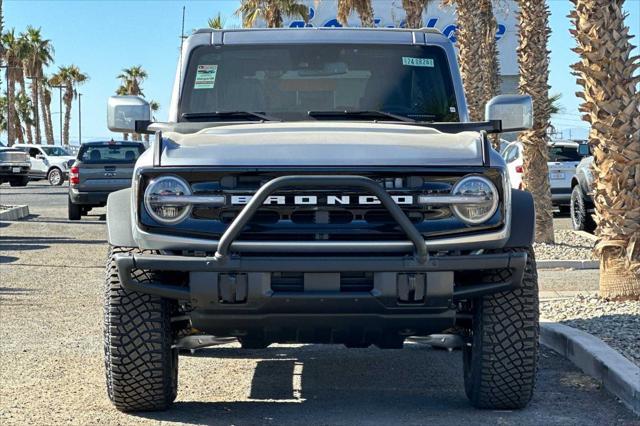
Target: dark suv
320 186
99 169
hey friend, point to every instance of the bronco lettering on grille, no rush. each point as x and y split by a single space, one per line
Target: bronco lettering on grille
329 200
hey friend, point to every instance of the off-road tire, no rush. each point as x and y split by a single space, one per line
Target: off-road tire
141 367
75 211
581 219
501 363
21 181
53 179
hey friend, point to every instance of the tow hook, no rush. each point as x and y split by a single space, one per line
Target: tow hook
442 341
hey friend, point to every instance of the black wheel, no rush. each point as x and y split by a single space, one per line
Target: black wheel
501 362
75 211
55 177
141 367
21 181
581 219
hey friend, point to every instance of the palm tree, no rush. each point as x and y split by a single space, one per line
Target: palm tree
477 52
12 58
611 105
414 10
132 79
70 77
46 97
533 60
363 8
23 115
39 54
131 84
272 11
217 22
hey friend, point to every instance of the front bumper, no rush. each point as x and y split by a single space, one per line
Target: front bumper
238 297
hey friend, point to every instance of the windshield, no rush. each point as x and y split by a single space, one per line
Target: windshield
289 81
564 153
54 151
112 153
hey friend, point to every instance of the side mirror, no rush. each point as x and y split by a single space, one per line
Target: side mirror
584 150
515 112
124 111
40 157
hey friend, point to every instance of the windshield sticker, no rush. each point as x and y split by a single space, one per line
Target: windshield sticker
206 77
417 62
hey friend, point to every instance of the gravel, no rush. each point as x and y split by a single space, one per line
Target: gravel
569 245
616 323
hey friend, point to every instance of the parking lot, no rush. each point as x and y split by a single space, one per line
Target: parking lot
51 366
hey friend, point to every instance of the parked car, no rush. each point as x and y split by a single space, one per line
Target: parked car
582 207
14 166
563 160
100 169
48 162
320 187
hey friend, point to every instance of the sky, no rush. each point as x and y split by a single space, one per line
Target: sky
104 36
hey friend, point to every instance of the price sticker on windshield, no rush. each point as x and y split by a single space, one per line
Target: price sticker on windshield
206 77
417 62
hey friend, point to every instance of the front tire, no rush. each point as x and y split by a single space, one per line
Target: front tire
55 177
501 363
141 367
581 219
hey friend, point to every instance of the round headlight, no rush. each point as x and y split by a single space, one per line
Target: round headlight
162 208
482 211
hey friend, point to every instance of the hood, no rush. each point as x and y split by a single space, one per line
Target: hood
322 144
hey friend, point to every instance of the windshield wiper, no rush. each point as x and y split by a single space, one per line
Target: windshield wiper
218 115
359 114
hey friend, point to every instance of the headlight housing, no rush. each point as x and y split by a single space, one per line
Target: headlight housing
473 185
167 213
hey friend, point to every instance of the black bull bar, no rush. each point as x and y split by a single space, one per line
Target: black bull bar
222 262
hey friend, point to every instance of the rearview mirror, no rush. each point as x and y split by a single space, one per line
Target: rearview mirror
124 111
515 112
584 150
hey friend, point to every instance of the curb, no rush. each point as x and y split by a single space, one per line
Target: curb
619 376
568 264
14 213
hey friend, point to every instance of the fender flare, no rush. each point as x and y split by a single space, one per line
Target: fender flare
119 230
523 220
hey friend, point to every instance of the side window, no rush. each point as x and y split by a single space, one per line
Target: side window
507 153
33 152
512 154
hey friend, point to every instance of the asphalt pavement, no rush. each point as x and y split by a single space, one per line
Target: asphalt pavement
51 367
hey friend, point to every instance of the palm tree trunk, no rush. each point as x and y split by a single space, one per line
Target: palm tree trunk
470 55
125 136
533 60
36 113
11 102
23 89
68 98
413 10
46 116
612 107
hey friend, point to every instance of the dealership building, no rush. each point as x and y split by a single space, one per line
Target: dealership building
389 14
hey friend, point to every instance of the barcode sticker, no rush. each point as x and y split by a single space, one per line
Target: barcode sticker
206 77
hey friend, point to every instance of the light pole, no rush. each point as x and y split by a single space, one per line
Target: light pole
79 118
60 91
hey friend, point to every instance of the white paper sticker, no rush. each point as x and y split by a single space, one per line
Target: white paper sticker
417 62
206 77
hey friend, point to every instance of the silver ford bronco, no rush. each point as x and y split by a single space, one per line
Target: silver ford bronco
320 186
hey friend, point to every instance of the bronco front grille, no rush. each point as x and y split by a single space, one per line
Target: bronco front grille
326 219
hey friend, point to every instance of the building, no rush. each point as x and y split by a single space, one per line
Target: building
389 13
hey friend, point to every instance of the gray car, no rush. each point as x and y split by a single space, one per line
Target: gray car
320 186
582 207
100 169
14 166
